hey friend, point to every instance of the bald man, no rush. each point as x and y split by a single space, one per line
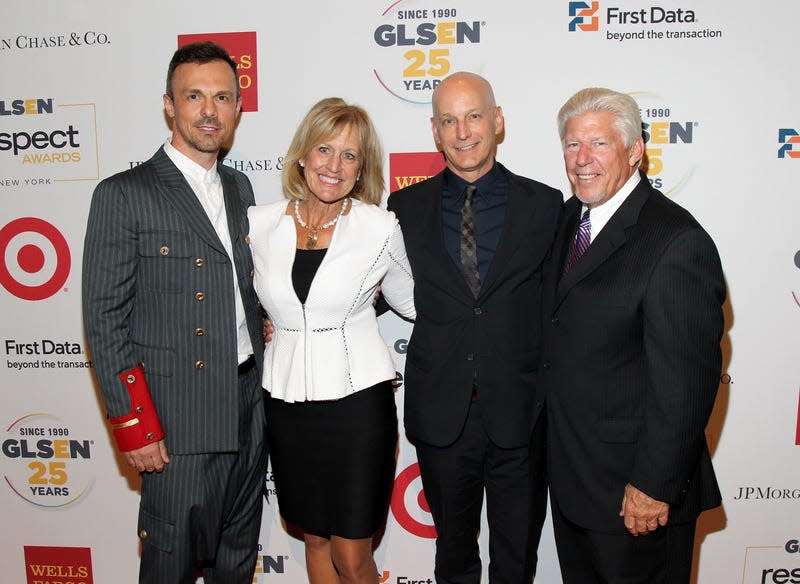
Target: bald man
477 236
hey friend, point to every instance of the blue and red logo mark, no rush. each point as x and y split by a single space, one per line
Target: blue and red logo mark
787 138
583 16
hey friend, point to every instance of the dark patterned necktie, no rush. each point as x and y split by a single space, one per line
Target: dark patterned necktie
581 242
469 247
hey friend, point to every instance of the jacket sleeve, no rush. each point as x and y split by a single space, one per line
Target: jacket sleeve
683 324
110 261
398 283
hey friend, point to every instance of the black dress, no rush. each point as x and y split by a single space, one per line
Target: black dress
333 461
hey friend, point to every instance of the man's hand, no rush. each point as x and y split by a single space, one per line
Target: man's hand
148 458
641 513
268 331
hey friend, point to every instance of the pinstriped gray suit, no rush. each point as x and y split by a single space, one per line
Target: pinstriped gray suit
157 288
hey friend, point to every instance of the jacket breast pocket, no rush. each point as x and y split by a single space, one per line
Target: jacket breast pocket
164 260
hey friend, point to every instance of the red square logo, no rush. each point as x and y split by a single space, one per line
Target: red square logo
243 49
62 565
407 168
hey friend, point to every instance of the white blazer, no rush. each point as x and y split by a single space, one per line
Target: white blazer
329 347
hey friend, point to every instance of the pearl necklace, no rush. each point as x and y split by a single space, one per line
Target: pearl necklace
311 242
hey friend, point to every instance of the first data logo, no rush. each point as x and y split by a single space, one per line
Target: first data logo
787 138
583 16
44 462
420 44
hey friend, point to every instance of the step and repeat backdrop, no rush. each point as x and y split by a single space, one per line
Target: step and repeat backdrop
80 99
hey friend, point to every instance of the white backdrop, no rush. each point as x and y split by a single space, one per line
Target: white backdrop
80 99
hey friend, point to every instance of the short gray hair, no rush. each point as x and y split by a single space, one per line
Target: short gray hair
627 120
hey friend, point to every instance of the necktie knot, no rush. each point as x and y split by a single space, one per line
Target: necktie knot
469 194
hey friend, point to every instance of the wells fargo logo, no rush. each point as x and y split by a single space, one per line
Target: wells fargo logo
243 49
58 565
408 168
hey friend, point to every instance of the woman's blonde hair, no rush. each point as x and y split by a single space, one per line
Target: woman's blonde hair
325 120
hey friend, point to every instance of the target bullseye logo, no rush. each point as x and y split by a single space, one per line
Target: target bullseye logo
412 512
34 258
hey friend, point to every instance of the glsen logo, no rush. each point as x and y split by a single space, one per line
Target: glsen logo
583 16
58 565
270 564
26 107
418 47
243 49
45 463
408 168
787 138
39 136
409 506
667 163
760 563
34 258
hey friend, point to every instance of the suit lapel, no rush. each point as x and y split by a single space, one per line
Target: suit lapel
611 237
518 218
181 196
433 230
233 206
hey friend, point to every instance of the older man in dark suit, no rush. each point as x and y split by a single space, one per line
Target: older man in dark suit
633 321
175 329
477 237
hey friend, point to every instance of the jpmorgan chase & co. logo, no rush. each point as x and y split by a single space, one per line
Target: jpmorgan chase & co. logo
419 44
46 462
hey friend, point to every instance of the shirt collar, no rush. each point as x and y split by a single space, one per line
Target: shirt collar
454 185
601 214
189 167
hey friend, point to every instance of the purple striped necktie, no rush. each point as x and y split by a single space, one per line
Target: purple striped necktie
581 242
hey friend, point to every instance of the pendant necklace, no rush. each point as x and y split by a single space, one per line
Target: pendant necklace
311 242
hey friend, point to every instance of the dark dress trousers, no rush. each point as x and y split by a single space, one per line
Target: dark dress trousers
491 344
158 290
631 365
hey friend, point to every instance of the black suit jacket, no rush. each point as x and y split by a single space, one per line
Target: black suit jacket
494 338
632 362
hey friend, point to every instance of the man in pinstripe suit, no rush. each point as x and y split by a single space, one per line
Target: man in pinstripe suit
175 330
632 327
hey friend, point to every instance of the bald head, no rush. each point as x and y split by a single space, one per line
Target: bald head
463 82
466 123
